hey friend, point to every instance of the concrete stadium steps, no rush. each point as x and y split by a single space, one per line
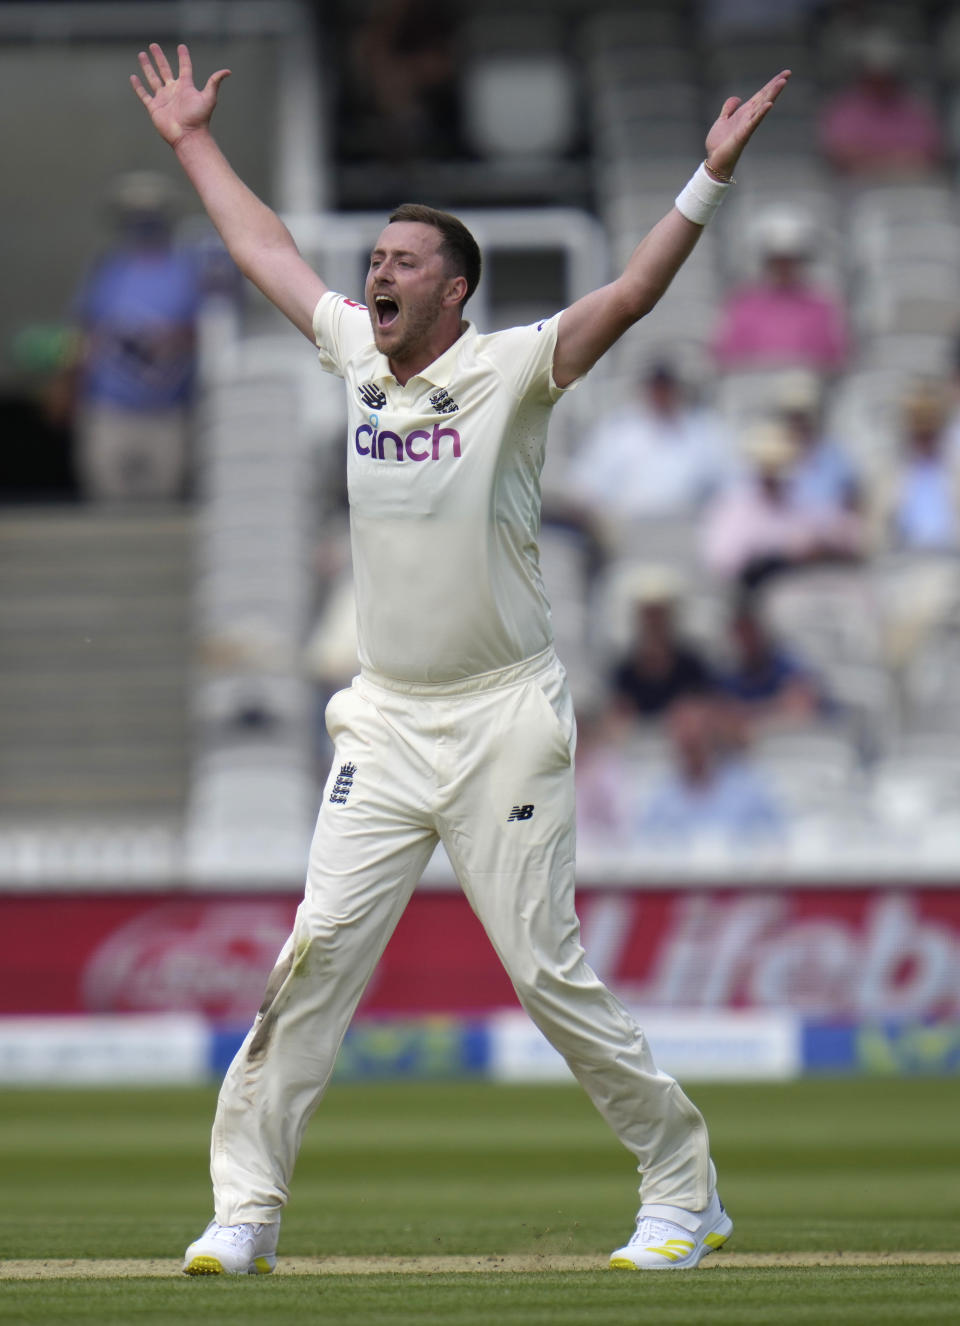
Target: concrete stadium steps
95 611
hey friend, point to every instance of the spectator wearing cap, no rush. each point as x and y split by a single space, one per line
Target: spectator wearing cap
782 319
763 681
876 127
137 310
660 454
917 505
756 528
660 666
822 476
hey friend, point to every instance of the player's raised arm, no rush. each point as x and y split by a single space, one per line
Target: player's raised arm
256 238
589 327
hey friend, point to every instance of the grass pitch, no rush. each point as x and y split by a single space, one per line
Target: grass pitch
527 1175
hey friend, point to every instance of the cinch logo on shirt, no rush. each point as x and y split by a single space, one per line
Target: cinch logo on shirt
418 445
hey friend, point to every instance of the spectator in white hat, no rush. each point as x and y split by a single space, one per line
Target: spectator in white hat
917 506
823 475
782 319
877 127
660 666
756 528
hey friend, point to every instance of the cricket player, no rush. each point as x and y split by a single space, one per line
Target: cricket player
459 727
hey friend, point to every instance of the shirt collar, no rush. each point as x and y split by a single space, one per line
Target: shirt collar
439 373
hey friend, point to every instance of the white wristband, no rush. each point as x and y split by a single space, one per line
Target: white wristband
700 197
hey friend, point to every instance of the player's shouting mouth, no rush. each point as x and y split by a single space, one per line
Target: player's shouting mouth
411 284
386 310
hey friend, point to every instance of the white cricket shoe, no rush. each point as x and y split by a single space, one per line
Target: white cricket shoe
669 1238
233 1250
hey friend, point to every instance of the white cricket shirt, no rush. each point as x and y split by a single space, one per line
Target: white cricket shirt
443 476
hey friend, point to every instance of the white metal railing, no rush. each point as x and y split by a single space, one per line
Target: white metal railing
339 244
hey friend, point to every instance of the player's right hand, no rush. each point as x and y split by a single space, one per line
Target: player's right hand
737 120
175 105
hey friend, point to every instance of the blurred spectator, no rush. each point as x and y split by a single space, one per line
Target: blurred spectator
36 416
953 403
726 19
781 318
657 455
402 101
602 779
822 476
713 792
766 684
660 666
917 505
756 528
877 127
137 310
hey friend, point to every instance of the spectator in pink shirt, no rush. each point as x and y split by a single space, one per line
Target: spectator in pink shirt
603 778
756 528
781 319
877 127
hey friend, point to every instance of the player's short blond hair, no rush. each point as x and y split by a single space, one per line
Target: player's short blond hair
459 248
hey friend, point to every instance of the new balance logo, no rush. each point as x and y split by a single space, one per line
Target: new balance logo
520 813
343 784
443 402
372 396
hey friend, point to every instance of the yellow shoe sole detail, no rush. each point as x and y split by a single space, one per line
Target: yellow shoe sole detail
715 1240
212 1266
622 1264
203 1266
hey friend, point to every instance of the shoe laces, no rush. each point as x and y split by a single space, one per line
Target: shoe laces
234 1234
651 1230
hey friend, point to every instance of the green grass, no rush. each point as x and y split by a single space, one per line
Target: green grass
863 1165
900 1296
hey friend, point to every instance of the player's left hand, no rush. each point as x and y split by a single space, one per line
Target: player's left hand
736 123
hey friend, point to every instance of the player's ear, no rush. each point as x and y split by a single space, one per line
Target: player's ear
456 291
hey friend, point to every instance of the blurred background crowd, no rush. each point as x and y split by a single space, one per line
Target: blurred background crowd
751 532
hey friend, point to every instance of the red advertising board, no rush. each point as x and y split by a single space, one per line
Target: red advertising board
843 953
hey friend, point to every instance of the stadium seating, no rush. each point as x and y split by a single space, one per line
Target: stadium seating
641 81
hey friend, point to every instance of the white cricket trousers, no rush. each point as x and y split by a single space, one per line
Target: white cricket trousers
454 762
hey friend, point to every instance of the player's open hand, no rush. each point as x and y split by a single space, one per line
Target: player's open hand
175 105
736 123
